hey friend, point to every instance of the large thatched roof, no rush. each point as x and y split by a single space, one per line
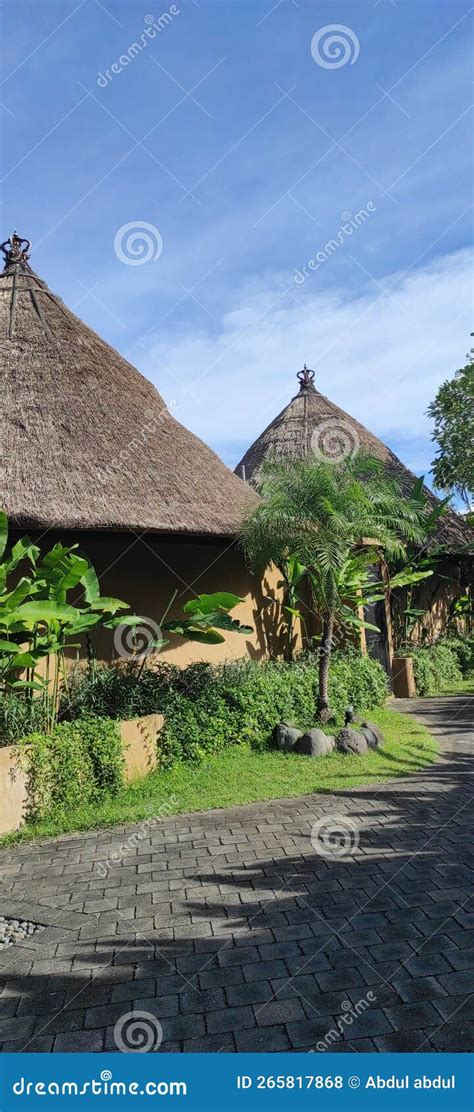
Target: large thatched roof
87 442
311 423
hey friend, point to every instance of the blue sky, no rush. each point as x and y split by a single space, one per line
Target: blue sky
237 138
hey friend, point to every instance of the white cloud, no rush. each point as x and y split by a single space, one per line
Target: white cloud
380 356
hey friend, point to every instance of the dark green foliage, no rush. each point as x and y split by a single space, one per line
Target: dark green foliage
20 715
463 647
435 667
356 680
208 708
116 690
78 762
453 415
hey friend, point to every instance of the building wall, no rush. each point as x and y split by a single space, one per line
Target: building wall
145 572
452 579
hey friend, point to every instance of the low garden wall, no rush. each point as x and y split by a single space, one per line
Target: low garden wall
139 737
13 793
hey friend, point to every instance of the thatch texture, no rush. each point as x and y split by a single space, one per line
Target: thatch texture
87 441
311 423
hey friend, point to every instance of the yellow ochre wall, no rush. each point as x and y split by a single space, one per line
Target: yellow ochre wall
145 571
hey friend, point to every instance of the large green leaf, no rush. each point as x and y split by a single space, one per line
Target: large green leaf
108 605
11 600
23 660
89 580
124 620
204 604
46 611
23 549
205 636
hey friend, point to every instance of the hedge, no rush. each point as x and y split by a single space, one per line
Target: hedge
434 667
208 707
78 762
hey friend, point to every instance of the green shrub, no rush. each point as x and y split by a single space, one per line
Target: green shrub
19 715
434 667
209 707
463 647
78 762
356 680
233 703
116 691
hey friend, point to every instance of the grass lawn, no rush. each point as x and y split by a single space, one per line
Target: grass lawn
242 775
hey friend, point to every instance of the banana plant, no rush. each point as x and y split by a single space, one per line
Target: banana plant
38 623
209 615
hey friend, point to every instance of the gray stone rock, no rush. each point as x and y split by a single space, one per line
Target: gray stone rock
314 744
351 741
285 736
373 735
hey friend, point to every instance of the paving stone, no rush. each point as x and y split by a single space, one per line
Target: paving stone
419 1015
462 958
82 1042
230 1019
404 1042
210 1044
262 1039
254 992
308 1032
209 1000
455 1036
342 979
278 1011
264 970
457 984
463 1007
419 988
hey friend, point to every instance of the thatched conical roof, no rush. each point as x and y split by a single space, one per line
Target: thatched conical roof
312 424
87 441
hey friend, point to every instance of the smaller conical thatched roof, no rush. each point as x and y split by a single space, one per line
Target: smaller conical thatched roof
312 424
87 441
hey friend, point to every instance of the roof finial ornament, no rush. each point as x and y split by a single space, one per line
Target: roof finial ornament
13 251
306 378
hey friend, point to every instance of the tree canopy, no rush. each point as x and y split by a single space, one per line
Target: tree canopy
453 415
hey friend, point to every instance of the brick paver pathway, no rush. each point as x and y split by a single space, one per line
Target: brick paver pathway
236 934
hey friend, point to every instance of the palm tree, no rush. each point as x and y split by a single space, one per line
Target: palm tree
336 520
